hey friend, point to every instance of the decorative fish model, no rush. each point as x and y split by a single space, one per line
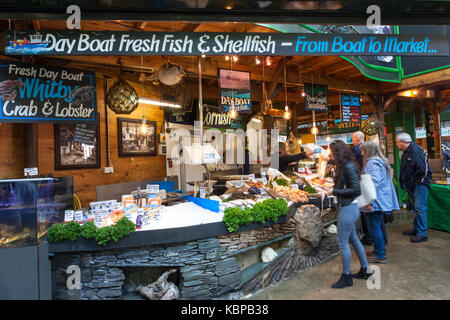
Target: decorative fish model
168 74
8 89
161 289
82 95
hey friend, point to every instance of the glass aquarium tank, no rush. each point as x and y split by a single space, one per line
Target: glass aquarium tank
28 207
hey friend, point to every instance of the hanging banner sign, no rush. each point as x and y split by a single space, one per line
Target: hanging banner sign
350 108
36 93
316 97
217 43
234 91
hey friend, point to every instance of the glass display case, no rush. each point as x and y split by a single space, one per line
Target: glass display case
28 207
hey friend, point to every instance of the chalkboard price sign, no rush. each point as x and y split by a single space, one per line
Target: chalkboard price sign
350 108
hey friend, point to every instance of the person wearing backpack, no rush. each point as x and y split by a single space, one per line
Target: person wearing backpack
377 166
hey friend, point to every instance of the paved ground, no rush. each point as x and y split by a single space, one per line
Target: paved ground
413 271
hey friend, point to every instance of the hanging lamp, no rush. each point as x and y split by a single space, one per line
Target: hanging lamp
122 98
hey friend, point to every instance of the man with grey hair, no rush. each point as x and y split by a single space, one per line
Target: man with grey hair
415 178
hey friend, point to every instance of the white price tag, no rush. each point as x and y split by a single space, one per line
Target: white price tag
98 219
152 188
282 138
251 177
129 216
202 193
145 221
68 215
274 184
78 216
240 183
295 186
264 179
28 172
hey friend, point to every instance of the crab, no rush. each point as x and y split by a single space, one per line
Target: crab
8 89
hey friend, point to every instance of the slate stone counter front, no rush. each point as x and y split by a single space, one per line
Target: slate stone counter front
208 266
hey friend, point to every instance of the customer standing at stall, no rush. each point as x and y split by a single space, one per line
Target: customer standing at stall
347 189
375 164
358 138
415 178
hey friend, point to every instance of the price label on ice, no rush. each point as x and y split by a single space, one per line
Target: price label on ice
145 221
98 219
68 215
251 177
79 216
152 188
295 186
263 174
202 193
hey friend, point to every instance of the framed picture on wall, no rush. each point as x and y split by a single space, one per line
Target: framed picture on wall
136 138
77 146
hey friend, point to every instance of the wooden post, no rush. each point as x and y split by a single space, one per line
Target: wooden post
437 125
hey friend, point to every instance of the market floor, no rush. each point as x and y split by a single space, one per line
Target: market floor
413 271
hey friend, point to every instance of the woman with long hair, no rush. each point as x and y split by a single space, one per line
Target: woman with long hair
347 189
375 164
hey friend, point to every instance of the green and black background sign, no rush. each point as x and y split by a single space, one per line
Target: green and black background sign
216 43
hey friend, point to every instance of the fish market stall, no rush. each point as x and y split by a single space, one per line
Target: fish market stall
211 247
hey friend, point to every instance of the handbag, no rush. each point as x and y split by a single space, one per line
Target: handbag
368 191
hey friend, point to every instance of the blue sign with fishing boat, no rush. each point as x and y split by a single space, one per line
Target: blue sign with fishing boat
38 93
31 44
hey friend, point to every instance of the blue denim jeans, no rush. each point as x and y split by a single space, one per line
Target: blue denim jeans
379 233
420 208
347 233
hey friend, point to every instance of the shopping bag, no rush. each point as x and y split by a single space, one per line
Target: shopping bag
368 191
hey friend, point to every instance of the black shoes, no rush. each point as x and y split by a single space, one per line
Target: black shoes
345 281
409 233
419 238
362 274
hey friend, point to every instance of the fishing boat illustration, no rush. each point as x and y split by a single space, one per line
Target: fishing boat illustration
35 42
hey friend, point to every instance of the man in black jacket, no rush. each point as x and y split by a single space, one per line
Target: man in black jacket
415 178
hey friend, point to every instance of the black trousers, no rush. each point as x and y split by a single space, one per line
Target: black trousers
365 223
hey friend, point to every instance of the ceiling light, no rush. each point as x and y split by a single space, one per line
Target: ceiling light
158 103
235 58
257 60
227 58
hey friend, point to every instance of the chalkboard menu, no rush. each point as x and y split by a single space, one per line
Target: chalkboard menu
40 93
85 134
350 108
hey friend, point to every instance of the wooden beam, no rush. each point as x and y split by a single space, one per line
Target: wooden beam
427 80
209 68
336 67
276 76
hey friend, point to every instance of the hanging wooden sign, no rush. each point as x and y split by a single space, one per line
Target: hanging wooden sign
316 97
235 91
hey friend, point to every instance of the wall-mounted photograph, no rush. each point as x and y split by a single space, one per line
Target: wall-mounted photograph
77 146
136 138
